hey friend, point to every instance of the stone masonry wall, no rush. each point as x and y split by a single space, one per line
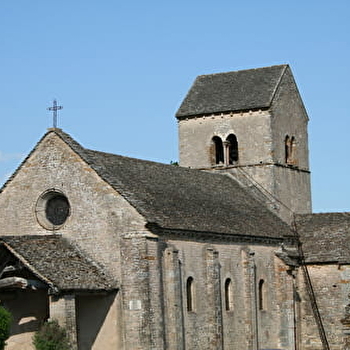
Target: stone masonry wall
97 322
139 304
252 130
331 284
210 325
99 215
289 117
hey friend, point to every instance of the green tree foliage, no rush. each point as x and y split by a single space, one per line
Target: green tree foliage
5 325
51 336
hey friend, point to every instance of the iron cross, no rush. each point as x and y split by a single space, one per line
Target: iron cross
54 110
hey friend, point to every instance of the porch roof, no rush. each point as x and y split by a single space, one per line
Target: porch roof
58 263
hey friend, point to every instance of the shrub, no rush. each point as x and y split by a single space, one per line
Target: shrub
5 325
51 336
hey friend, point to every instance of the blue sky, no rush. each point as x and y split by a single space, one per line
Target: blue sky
121 69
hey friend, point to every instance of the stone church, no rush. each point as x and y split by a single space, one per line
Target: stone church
222 252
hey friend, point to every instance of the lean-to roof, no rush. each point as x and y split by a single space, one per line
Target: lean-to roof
325 237
57 263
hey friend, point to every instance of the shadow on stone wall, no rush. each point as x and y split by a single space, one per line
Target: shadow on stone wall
92 318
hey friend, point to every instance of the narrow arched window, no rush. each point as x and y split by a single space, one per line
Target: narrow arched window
218 150
189 294
232 151
287 149
262 295
228 295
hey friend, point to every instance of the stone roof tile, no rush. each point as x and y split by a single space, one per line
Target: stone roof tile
325 237
185 199
232 91
57 262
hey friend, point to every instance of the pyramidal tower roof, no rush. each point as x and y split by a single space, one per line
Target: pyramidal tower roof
232 91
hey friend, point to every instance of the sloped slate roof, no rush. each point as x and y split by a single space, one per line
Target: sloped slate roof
325 237
232 91
185 199
57 263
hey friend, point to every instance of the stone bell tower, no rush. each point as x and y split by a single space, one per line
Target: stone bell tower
251 124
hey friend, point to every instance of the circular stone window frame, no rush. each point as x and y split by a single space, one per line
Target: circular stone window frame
41 207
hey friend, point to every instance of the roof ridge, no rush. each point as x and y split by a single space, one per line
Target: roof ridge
244 70
345 213
127 157
278 83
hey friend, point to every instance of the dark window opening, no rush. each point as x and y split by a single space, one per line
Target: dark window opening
287 149
219 150
262 296
189 292
232 148
57 209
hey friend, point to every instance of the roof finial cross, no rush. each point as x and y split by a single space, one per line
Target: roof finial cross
54 110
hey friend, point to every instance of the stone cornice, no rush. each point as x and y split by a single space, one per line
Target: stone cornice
218 237
226 114
287 166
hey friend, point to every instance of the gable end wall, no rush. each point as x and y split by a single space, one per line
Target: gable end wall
99 215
